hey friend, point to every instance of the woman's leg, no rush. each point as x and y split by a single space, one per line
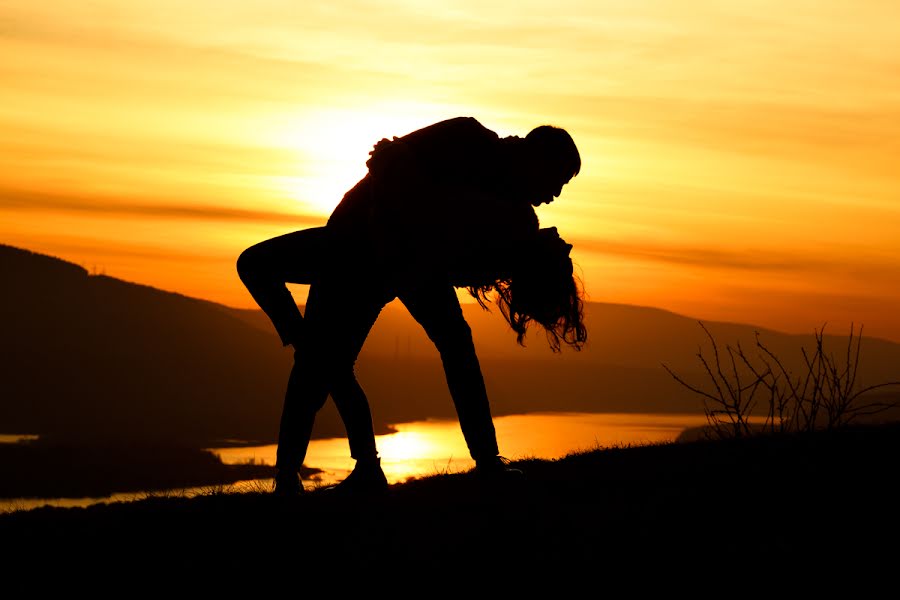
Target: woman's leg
292 258
340 312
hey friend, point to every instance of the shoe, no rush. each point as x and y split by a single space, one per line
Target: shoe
363 480
497 467
287 484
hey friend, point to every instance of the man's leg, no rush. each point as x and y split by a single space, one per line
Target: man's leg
436 308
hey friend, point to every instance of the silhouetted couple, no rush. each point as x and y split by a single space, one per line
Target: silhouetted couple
447 206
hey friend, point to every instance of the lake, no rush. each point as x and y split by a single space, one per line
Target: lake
425 448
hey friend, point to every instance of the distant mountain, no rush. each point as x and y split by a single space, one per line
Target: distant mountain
87 357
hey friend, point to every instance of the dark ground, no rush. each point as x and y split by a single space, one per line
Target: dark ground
815 508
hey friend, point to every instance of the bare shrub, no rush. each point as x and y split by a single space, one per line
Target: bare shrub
824 395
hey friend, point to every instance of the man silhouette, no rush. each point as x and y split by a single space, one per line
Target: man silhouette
451 194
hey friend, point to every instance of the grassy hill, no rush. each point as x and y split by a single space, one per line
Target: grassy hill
810 507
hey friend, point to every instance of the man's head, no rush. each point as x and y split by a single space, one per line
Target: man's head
552 160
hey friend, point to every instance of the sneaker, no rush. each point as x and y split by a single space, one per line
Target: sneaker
287 483
363 480
497 467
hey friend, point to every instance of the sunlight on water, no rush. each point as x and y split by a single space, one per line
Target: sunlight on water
15 504
13 439
426 448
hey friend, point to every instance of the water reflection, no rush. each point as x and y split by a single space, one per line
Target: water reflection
426 448
6 438
16 504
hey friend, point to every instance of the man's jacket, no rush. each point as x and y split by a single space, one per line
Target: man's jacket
434 203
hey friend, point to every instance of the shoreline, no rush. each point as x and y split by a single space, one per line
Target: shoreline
69 471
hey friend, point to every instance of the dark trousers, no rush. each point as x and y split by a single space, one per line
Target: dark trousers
346 296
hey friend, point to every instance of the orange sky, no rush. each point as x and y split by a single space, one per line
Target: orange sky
740 162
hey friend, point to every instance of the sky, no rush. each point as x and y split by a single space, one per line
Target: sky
740 159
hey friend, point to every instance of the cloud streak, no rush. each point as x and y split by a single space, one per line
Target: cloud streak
751 260
38 202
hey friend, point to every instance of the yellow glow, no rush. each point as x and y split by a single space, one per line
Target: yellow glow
739 160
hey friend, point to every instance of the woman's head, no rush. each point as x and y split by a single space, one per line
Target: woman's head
543 289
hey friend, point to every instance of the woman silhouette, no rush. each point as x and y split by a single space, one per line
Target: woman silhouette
533 285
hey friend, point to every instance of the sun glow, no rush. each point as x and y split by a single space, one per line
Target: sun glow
405 445
333 145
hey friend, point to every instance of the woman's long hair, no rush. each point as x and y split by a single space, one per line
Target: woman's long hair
542 288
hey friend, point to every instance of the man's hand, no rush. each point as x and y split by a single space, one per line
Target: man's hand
382 143
385 152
